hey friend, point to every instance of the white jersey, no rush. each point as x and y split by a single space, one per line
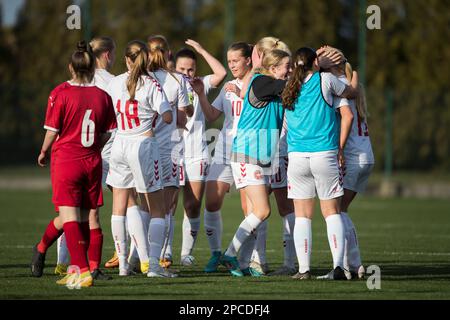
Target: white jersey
138 116
358 149
195 146
102 78
283 146
175 88
231 106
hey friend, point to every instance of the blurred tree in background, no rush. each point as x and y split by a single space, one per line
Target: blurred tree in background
410 55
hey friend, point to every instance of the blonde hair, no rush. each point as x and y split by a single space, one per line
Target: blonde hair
361 104
101 45
137 52
272 58
267 44
158 47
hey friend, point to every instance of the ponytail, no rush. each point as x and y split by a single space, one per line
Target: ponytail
83 63
361 104
137 52
101 45
304 60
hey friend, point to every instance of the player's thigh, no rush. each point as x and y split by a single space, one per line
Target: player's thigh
327 176
68 183
145 164
301 184
120 174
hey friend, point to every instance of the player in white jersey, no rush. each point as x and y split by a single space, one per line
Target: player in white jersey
195 158
359 162
134 163
175 88
220 176
103 49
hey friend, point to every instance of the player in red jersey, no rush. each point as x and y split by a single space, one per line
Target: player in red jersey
79 117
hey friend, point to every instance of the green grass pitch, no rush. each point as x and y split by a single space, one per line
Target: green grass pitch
409 239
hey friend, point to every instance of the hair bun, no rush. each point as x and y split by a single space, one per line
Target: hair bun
83 46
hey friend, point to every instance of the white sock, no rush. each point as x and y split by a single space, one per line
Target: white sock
156 234
245 253
288 240
190 232
213 229
168 239
352 257
62 251
259 252
169 249
119 234
247 226
336 239
303 243
138 233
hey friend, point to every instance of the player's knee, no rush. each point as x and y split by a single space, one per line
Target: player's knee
262 212
192 207
213 204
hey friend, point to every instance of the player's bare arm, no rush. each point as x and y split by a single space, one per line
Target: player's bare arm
50 137
210 112
219 71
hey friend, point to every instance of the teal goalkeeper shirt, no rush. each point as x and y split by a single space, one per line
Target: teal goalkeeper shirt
259 127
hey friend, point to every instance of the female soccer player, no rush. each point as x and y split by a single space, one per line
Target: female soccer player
315 149
359 162
196 159
175 88
79 115
103 49
134 162
220 176
255 146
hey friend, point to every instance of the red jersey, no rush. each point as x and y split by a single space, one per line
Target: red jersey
79 114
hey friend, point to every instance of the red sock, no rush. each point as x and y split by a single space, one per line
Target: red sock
51 234
95 249
76 245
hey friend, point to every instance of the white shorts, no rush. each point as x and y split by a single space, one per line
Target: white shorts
171 175
356 176
135 163
106 155
308 172
105 170
193 170
279 179
220 172
246 174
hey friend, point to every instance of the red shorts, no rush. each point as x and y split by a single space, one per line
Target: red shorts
77 183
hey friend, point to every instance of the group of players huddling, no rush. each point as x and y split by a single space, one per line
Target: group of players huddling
294 124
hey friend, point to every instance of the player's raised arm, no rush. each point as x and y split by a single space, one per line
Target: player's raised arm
219 71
